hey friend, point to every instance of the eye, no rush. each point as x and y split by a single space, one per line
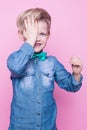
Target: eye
43 34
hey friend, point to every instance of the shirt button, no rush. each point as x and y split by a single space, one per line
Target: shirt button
38 102
25 73
38 75
38 114
38 125
35 61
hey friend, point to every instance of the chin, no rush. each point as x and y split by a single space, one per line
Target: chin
37 50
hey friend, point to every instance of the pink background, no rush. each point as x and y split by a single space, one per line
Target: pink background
68 37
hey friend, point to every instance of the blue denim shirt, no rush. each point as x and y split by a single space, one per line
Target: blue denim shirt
33 106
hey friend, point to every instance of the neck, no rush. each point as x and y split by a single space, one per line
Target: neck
38 52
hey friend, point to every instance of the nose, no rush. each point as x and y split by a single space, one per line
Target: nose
38 37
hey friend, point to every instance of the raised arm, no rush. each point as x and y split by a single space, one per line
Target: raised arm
66 80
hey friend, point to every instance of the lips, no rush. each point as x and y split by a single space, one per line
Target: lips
37 44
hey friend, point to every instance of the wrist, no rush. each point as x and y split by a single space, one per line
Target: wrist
77 76
31 42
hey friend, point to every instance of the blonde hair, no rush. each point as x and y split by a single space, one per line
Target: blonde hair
38 13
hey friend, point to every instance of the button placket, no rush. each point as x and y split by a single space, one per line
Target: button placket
38 99
38 119
38 114
38 75
35 60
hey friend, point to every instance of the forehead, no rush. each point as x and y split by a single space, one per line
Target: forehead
42 25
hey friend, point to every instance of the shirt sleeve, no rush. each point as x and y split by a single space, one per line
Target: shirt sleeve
17 61
65 79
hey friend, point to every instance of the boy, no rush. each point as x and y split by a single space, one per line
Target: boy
33 74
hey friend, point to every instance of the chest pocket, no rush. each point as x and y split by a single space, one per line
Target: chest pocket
27 82
47 78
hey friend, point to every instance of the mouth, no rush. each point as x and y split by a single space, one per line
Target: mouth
37 44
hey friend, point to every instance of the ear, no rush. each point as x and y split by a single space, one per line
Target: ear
21 35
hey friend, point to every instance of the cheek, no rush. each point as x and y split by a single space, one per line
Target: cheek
45 40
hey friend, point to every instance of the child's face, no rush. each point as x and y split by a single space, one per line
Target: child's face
42 36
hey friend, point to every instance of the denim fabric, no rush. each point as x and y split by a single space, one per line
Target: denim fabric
33 106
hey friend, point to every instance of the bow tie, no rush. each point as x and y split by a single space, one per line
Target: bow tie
41 55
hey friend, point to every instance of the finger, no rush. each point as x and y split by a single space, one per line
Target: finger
24 32
29 22
76 63
76 66
25 23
